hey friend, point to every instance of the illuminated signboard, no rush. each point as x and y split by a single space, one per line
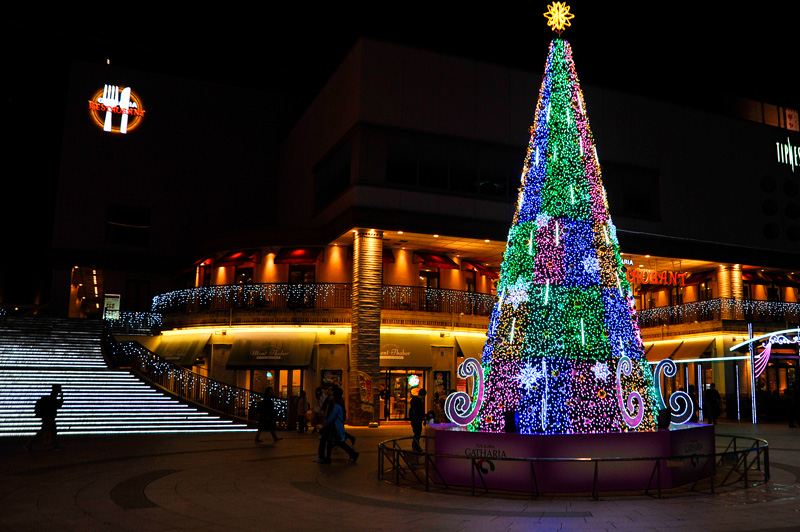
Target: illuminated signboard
635 275
792 121
116 110
788 154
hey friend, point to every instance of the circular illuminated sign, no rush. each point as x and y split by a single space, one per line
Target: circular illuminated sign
116 110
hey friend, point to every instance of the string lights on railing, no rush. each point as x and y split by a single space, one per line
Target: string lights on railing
735 307
217 395
244 293
138 320
321 295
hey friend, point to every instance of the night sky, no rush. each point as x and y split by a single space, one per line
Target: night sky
679 52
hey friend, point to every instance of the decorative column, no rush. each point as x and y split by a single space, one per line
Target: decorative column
737 290
725 292
365 338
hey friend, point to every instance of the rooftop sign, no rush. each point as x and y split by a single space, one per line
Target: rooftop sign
115 110
788 154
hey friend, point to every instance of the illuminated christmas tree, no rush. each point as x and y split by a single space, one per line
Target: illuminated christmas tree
564 352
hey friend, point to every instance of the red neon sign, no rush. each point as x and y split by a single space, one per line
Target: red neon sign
654 277
115 109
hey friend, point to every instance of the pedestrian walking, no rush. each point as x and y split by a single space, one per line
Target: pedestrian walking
317 409
712 404
333 428
326 409
266 416
416 414
302 409
46 408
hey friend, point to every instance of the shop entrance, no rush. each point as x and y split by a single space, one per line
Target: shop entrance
285 383
397 387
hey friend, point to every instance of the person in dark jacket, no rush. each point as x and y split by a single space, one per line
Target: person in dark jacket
47 409
266 416
324 428
416 414
712 404
333 428
302 408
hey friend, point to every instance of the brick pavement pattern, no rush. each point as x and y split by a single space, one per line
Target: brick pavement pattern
224 482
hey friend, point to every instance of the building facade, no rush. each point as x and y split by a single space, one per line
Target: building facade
363 247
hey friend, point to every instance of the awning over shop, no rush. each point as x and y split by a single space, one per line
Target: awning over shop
435 260
785 279
237 258
480 268
696 278
793 279
267 349
778 279
406 351
471 346
297 255
692 349
202 263
182 349
661 350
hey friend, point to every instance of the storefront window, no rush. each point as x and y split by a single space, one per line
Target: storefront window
244 275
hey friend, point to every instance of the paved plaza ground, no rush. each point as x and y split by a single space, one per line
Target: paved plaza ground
225 482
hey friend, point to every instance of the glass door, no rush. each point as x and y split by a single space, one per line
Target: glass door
397 388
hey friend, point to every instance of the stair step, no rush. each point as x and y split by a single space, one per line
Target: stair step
37 353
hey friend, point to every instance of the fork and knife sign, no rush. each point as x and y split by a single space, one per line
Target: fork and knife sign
111 99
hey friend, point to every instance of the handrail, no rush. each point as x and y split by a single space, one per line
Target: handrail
740 455
282 296
220 397
136 322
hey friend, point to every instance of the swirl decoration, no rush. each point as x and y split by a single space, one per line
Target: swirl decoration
626 366
680 403
457 406
762 358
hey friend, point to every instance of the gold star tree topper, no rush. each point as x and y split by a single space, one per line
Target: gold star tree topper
558 16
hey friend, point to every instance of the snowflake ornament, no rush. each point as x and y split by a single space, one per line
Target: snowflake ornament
542 220
591 265
517 293
529 376
601 371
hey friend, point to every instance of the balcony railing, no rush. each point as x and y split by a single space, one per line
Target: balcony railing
720 309
281 296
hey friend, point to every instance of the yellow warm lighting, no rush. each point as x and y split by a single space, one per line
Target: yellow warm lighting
558 16
324 331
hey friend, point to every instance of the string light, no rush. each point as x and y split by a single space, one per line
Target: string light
327 295
771 310
137 320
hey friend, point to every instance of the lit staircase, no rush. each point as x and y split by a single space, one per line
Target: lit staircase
37 353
